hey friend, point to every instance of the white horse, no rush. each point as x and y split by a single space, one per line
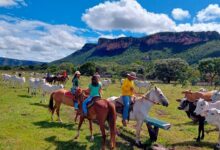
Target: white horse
143 105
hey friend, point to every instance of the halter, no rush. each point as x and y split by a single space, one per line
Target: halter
147 98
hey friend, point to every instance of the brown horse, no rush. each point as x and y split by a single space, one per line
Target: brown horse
101 111
62 96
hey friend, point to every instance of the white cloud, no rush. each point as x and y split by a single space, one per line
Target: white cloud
36 40
10 3
126 15
210 13
180 14
198 27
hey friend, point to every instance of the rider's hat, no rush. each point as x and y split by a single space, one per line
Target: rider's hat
77 72
132 75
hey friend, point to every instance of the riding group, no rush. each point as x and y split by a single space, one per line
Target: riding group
90 105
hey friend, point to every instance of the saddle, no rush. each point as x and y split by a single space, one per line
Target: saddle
92 102
120 106
69 95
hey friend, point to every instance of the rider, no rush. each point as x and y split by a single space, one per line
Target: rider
95 89
127 90
64 74
75 82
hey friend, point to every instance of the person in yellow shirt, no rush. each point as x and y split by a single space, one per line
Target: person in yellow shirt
127 90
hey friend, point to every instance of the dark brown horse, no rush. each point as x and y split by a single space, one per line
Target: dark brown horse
50 79
101 111
61 79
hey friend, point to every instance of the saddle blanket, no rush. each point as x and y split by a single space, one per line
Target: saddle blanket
69 94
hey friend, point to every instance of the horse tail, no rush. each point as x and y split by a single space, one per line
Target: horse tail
51 102
112 123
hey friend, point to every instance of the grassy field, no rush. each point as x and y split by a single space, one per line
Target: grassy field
25 124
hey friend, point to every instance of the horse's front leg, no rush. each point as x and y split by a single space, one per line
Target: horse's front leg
79 126
138 130
90 127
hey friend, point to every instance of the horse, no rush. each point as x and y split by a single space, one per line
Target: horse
142 106
101 111
60 96
50 79
61 79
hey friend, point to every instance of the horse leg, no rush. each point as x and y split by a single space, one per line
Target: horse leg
102 128
53 110
138 130
90 127
79 126
58 113
77 113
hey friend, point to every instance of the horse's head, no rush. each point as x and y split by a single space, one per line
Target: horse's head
80 95
157 96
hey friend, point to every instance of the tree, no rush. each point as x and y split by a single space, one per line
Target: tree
168 70
69 67
88 69
210 69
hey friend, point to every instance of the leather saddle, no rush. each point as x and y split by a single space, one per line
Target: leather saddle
92 102
70 95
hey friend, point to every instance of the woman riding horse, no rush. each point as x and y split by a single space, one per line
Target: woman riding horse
95 89
75 82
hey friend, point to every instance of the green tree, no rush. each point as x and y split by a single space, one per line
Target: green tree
168 70
69 67
210 69
88 69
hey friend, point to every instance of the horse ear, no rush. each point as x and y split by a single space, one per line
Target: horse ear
155 88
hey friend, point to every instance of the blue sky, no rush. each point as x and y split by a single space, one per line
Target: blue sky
46 30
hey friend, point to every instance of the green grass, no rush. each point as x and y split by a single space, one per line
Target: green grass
25 124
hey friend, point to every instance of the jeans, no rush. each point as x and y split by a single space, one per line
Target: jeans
75 103
126 102
84 105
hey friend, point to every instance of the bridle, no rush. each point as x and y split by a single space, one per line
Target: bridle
148 99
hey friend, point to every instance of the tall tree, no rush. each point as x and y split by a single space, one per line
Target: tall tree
210 69
168 70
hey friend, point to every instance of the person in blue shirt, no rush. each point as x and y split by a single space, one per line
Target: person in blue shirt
95 89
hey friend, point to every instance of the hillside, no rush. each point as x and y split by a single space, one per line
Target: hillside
191 46
16 62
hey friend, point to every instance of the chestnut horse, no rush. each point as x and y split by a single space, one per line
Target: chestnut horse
101 111
59 96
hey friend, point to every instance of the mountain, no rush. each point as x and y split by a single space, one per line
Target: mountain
191 46
16 62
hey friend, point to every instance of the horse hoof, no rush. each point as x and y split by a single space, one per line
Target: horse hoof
92 139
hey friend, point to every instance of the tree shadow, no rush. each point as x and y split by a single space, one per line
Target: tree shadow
195 144
39 104
64 145
46 124
25 96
